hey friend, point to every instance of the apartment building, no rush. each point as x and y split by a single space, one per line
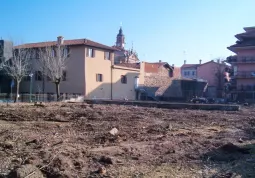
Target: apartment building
90 72
243 63
189 70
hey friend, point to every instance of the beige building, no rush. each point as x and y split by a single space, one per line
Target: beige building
90 72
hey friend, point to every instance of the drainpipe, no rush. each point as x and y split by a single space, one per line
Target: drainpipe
111 71
111 80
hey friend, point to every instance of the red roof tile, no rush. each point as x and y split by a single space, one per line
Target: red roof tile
66 42
152 67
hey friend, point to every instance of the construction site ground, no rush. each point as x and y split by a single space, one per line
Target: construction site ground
58 140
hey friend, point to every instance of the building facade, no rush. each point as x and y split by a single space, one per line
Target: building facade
189 70
90 72
216 76
243 64
5 54
212 72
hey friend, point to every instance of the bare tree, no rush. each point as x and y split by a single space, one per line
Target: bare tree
219 76
53 61
2 59
18 66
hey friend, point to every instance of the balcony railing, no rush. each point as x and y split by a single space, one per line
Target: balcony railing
245 74
241 59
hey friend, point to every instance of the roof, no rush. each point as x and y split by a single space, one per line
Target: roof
66 42
129 65
246 39
249 28
153 67
189 65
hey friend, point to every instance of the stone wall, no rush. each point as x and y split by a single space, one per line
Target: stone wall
160 84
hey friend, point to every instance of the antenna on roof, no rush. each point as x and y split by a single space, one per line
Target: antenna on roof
120 24
184 56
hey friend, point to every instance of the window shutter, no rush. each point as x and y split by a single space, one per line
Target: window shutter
93 53
110 56
87 49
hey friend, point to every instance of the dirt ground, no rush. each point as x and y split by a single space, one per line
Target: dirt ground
73 140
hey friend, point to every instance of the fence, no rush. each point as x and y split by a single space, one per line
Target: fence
4 97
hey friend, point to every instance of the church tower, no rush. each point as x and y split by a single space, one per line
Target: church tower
120 41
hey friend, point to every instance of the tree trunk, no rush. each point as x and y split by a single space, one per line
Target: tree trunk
57 90
17 92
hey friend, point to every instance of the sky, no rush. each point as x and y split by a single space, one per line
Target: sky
167 30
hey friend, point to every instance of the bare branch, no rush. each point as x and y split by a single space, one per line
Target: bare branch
19 65
52 62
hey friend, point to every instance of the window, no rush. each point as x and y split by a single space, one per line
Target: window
186 73
107 55
235 70
37 53
99 77
53 53
91 52
123 79
66 52
26 78
38 76
64 76
193 73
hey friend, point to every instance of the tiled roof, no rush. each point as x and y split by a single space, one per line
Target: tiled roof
129 65
66 42
189 65
153 67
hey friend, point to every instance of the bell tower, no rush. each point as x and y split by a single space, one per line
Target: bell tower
120 40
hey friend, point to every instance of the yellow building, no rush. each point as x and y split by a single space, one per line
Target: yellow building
90 72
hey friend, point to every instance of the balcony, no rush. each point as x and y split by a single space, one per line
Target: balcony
245 74
241 59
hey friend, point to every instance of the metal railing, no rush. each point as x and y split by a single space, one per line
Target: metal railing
241 59
245 74
7 97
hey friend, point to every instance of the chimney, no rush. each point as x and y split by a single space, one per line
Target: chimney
218 60
60 40
172 65
185 61
200 61
159 61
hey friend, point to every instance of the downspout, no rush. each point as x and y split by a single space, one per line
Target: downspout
111 81
111 75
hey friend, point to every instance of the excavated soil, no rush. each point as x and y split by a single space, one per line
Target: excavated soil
73 140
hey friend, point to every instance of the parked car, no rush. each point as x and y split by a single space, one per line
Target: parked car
199 100
211 100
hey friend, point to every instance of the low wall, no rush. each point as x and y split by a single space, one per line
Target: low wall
223 107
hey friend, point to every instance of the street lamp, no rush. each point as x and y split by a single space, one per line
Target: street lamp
30 75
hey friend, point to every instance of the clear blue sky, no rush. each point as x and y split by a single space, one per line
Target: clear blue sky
160 30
